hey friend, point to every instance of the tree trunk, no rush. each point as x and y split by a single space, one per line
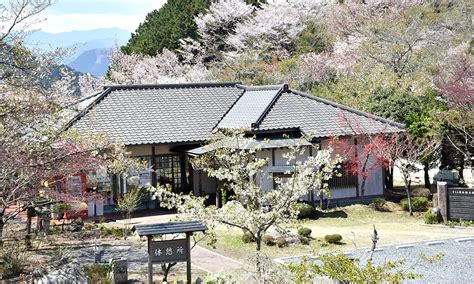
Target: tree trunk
258 241
166 267
2 225
407 188
362 188
259 264
427 176
389 178
29 217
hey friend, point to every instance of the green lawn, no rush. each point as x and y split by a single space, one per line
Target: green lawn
353 223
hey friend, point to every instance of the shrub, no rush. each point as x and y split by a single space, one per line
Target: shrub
98 273
13 261
421 192
107 231
417 203
379 204
430 217
304 240
247 238
268 240
304 232
306 211
281 242
333 239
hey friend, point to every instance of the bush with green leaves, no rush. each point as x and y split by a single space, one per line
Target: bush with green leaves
13 260
333 238
304 232
430 217
417 204
98 273
108 231
343 269
281 242
304 240
379 204
306 211
268 240
247 237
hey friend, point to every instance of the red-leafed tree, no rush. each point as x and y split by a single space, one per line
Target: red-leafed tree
364 155
362 159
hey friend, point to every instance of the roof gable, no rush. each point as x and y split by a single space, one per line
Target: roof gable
251 107
180 113
156 114
317 117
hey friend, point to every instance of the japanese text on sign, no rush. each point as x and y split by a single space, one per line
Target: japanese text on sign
168 251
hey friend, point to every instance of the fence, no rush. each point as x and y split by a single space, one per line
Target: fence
456 203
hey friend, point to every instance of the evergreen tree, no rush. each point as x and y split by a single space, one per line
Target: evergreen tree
164 28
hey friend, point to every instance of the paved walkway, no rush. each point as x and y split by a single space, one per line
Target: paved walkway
210 261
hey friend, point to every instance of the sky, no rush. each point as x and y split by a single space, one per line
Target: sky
68 15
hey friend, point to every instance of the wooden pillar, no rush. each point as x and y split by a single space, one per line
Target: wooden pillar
150 264
442 192
153 167
188 262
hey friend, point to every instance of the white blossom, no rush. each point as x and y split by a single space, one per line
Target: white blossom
275 27
160 69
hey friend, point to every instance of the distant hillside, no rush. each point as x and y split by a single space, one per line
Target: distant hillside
99 38
90 47
95 62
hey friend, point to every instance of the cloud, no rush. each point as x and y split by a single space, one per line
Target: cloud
68 15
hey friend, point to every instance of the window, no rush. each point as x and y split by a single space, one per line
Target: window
282 176
347 179
172 170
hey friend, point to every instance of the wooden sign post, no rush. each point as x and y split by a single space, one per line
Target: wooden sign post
169 251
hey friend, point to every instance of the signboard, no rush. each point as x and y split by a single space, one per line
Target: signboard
169 251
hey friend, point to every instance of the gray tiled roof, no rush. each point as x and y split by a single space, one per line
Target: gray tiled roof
153 114
250 107
158 114
317 117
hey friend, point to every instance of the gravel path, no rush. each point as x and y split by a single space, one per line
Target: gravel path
457 265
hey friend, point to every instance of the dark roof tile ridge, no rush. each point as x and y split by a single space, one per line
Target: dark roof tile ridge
173 86
350 109
260 88
83 112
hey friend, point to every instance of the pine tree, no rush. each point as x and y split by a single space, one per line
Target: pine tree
164 27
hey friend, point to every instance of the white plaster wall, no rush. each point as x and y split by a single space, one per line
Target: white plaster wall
145 150
374 183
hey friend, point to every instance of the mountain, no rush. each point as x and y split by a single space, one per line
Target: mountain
94 61
89 47
98 38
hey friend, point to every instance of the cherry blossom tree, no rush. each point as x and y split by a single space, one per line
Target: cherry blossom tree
274 28
216 24
254 209
160 69
34 145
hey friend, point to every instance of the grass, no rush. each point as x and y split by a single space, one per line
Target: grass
353 223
